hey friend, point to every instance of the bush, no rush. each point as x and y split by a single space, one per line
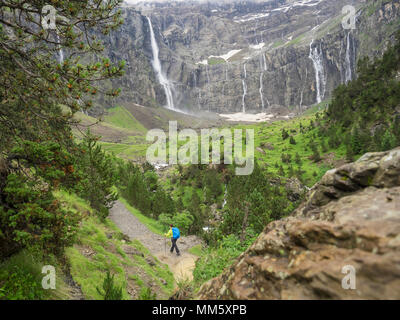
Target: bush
147 294
216 258
110 291
285 134
34 217
21 277
388 141
20 286
182 220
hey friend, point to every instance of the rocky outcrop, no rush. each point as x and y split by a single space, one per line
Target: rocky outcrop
131 43
351 218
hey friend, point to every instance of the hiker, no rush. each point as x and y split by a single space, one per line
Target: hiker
174 234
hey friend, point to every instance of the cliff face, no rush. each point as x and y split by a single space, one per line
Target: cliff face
351 218
277 56
131 43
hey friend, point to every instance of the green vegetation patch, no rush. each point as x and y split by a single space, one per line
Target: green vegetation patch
21 277
101 248
214 61
122 118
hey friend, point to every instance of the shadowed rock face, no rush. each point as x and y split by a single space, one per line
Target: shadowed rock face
352 217
274 40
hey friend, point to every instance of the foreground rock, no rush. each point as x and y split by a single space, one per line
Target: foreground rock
351 218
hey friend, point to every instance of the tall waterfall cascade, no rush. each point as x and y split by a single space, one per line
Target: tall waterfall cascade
348 74
60 50
263 67
225 197
197 89
167 85
265 62
261 84
208 77
262 91
302 91
244 90
244 96
317 58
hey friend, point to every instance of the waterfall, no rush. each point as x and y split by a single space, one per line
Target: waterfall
197 88
244 89
353 56
225 196
261 91
60 50
302 91
349 75
317 59
208 76
244 96
263 67
341 66
195 79
167 85
199 99
265 62
261 84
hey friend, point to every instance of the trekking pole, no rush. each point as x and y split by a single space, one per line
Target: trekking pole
165 246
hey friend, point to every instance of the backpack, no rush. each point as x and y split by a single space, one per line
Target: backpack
176 233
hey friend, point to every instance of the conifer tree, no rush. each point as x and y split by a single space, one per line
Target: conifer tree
39 95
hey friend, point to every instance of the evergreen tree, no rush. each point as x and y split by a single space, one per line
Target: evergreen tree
197 213
371 98
388 141
285 134
109 291
98 176
38 99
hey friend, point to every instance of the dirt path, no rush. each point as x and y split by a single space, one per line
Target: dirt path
182 267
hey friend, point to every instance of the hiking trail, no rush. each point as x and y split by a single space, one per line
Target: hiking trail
182 267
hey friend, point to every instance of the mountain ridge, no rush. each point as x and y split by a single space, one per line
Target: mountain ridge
193 38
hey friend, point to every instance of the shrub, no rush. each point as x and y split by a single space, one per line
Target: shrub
34 217
182 220
147 294
110 291
216 258
21 277
285 134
